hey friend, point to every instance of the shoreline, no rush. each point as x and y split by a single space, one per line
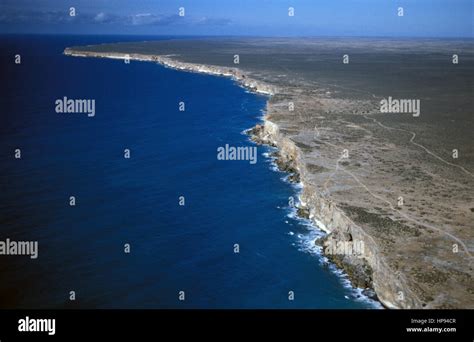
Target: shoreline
315 245
358 279
165 60
370 269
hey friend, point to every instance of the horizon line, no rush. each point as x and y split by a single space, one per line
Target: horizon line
229 36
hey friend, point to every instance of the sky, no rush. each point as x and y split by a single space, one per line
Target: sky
421 18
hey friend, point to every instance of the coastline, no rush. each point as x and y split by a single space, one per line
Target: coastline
288 159
318 234
374 269
166 61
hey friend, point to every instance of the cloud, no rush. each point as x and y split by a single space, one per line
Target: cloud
102 18
43 17
154 19
213 21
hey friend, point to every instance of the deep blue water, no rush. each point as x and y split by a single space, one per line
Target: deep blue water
135 200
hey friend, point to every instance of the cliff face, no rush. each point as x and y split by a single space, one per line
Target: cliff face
381 198
368 270
234 73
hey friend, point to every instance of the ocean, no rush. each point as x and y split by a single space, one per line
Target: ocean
176 251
